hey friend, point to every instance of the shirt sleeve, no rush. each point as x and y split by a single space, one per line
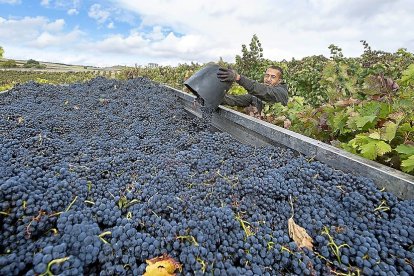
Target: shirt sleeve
271 94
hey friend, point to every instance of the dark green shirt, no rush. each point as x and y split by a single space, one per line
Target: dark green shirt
269 94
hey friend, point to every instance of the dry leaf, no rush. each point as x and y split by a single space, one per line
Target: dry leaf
287 123
344 103
161 266
252 111
299 235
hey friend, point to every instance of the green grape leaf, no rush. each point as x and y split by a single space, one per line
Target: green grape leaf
408 76
405 102
342 68
406 127
408 164
328 73
351 123
369 108
382 148
371 85
369 150
338 121
332 93
360 139
237 90
348 148
374 149
388 131
405 149
385 110
298 100
350 86
276 108
330 79
362 121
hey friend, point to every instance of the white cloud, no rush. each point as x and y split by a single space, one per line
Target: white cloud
47 39
73 12
120 44
170 32
44 3
71 6
12 2
156 33
187 44
37 32
292 29
27 28
55 26
111 25
98 13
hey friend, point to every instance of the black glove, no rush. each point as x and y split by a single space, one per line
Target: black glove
256 102
226 74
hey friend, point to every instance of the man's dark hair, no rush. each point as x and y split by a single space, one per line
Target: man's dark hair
278 68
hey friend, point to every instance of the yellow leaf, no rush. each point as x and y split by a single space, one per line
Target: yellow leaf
375 135
161 266
299 235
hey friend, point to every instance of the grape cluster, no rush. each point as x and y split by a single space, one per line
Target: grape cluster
98 177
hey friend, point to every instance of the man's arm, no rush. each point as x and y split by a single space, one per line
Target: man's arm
278 93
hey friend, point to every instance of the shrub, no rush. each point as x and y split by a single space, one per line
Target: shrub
9 64
31 63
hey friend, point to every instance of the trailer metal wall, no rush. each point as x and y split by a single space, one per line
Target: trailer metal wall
253 131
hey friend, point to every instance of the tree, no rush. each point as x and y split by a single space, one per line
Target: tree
1 52
31 63
250 63
11 63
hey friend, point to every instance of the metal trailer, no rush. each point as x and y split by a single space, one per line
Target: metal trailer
250 130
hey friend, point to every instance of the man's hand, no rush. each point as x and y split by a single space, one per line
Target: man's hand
227 75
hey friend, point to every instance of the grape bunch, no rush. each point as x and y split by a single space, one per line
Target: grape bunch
98 177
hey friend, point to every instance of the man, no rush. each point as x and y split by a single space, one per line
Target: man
271 91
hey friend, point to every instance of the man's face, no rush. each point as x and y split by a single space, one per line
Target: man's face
272 77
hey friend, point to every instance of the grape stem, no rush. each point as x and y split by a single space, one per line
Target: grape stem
104 234
291 204
189 237
52 262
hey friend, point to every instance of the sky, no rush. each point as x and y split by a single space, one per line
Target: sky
107 33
